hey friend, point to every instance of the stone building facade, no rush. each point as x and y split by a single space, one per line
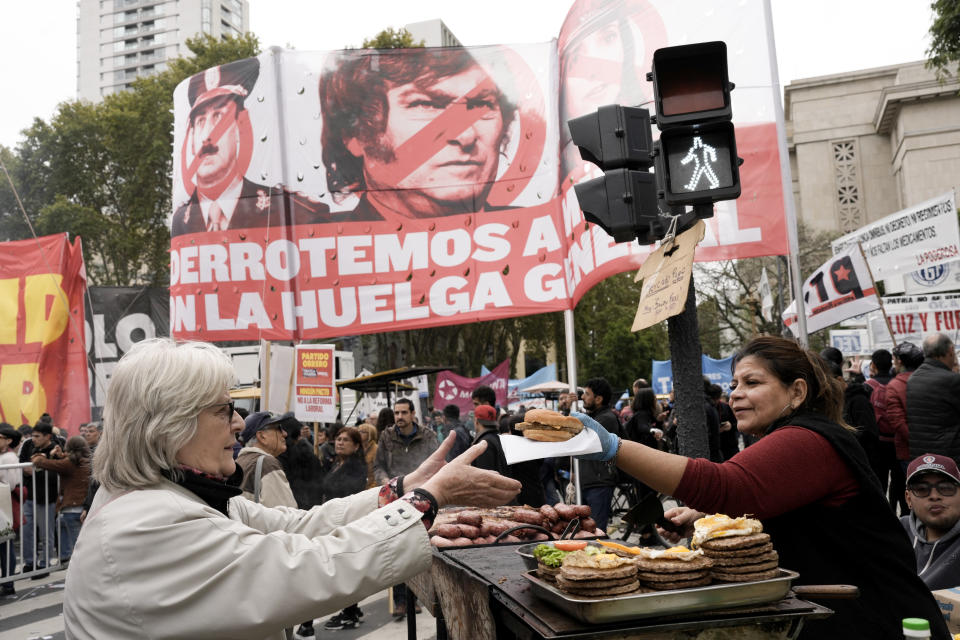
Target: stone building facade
864 144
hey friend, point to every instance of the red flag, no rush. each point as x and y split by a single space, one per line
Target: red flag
454 389
43 365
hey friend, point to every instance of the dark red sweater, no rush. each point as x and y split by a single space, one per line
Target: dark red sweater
787 469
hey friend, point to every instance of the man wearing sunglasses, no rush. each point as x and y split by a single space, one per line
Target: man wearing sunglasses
932 484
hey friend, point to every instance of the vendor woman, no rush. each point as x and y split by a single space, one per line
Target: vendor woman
810 484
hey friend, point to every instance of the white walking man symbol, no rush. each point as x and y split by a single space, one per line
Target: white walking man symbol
708 155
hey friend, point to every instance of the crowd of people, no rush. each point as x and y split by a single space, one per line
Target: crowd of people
818 447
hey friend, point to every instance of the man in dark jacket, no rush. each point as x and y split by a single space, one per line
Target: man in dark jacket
485 418
934 524
38 525
906 358
728 438
451 420
599 479
933 400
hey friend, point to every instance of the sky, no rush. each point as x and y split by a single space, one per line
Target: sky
813 37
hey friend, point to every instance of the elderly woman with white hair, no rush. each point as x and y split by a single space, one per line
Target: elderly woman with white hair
170 549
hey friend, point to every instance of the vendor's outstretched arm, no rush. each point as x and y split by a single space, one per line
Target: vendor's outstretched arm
657 469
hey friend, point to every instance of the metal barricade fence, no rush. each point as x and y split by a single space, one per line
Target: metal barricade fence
39 543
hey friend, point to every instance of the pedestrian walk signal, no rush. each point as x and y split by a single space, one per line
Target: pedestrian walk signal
696 159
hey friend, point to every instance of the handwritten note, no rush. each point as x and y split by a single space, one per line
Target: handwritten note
666 278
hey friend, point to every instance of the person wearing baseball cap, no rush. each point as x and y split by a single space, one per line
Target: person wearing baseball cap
932 494
264 438
223 197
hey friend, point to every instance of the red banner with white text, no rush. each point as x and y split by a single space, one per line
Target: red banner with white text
454 389
43 367
322 194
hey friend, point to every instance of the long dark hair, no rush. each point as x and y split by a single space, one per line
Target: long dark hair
384 419
645 399
788 361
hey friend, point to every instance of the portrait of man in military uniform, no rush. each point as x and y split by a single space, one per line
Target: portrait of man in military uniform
223 198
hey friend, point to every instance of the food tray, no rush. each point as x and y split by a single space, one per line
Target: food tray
647 605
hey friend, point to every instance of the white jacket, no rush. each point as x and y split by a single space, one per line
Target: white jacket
161 563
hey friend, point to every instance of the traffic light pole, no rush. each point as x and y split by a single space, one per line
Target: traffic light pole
685 352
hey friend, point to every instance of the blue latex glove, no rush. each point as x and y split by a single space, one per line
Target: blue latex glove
608 441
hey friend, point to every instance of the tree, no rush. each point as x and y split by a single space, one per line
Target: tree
392 39
730 307
944 51
103 171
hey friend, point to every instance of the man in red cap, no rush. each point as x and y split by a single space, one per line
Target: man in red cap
223 197
932 483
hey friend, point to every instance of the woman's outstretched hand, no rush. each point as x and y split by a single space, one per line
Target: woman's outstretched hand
457 482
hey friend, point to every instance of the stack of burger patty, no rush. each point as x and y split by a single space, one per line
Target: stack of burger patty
598 575
674 568
742 558
738 548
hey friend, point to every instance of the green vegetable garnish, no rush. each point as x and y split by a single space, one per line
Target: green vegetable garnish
552 557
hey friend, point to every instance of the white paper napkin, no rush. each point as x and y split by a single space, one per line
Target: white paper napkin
519 449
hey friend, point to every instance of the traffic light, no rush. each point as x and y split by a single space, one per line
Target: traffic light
696 160
623 202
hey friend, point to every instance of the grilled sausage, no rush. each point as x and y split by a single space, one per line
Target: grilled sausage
549 513
565 511
583 510
493 527
439 541
528 516
469 531
474 518
450 531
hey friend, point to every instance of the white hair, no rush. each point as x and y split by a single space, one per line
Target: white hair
157 390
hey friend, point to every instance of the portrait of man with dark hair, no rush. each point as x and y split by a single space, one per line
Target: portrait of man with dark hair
217 154
416 133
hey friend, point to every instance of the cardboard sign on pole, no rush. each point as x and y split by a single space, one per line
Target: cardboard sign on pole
316 399
666 278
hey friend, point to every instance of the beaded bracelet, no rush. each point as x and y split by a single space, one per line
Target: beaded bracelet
617 452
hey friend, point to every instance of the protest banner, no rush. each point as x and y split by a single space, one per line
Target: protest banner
454 389
717 371
43 367
854 342
841 288
316 397
913 317
299 214
915 238
117 318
